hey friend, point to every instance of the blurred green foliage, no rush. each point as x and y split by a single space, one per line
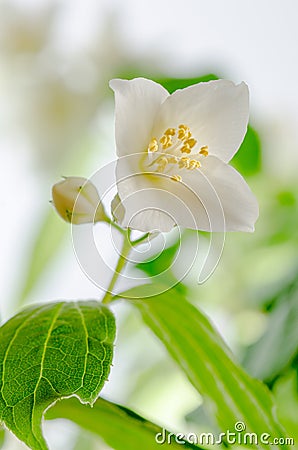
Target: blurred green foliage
277 350
161 265
46 245
118 426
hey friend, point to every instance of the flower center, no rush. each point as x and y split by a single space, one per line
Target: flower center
173 146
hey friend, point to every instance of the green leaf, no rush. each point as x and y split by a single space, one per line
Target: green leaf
2 437
285 392
277 348
248 158
282 204
229 394
48 352
161 266
119 427
155 266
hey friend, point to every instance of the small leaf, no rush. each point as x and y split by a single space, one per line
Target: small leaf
161 266
48 352
118 426
154 266
229 394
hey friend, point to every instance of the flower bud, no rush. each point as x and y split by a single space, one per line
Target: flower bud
77 201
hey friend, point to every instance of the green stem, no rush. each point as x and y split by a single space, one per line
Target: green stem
140 240
125 249
124 252
114 225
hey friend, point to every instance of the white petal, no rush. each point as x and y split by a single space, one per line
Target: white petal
219 198
151 220
143 198
212 198
117 209
216 112
137 102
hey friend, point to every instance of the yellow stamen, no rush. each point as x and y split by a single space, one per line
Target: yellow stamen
184 162
170 132
172 160
166 141
204 150
176 178
183 132
153 145
185 149
191 142
176 147
162 163
193 164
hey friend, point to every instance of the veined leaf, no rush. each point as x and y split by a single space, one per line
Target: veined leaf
119 427
48 352
229 394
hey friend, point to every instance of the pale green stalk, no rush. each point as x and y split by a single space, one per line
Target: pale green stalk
124 252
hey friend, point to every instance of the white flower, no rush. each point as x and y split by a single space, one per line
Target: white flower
77 201
173 156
